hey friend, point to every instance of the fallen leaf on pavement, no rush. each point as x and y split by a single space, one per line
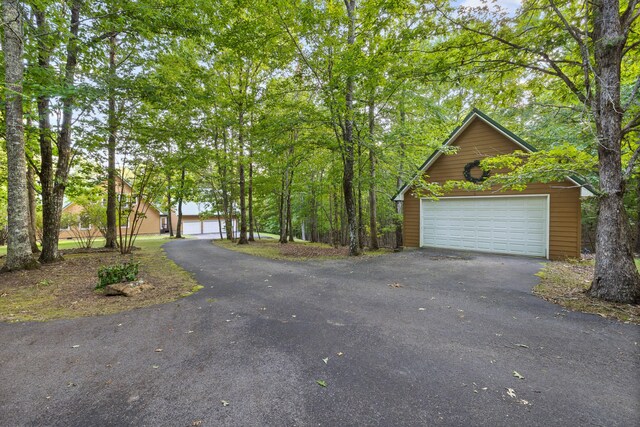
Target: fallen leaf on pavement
522 345
511 393
517 375
321 383
75 346
340 353
224 403
325 360
158 350
394 285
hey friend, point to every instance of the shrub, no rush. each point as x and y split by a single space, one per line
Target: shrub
111 274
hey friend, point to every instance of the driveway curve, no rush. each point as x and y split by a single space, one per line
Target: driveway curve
413 338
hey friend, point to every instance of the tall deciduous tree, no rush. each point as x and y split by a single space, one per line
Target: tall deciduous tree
19 254
54 169
587 46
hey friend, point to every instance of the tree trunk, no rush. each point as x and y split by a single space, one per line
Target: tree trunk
637 233
52 208
314 214
399 179
250 207
289 214
31 192
110 238
18 246
373 208
348 155
180 198
45 135
616 276
243 205
361 230
282 217
169 206
227 206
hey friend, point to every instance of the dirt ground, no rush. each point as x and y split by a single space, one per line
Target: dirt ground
566 284
270 248
66 289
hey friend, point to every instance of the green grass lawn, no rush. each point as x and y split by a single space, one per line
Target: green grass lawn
299 250
141 241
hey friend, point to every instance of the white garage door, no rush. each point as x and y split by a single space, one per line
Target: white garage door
211 226
191 227
511 225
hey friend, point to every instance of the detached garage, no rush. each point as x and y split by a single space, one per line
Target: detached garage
198 219
541 221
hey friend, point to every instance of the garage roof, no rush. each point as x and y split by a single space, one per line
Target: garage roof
585 190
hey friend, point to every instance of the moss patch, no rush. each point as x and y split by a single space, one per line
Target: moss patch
66 289
566 284
296 251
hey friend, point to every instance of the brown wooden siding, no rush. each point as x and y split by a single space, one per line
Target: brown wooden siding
149 225
480 140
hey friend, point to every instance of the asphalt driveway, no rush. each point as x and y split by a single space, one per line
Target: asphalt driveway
437 347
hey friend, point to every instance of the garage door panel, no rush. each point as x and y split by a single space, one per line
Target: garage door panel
191 227
493 224
212 226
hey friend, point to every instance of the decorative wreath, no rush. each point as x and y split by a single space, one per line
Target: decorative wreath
471 178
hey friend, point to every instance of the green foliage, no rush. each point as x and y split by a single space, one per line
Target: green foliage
125 272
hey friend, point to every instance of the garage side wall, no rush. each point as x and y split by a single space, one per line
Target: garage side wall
480 140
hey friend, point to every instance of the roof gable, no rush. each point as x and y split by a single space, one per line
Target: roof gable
476 116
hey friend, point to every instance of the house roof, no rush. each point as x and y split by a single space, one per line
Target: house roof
195 208
586 189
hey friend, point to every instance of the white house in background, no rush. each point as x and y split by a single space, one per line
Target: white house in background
198 219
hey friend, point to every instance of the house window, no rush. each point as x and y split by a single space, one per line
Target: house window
82 226
124 202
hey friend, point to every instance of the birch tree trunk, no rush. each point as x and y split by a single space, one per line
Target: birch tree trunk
19 254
